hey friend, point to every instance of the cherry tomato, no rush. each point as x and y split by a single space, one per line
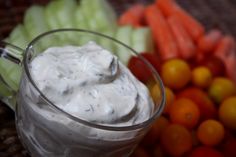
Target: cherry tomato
210 132
185 112
204 151
141 70
176 140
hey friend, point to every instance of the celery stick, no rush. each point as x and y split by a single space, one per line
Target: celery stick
142 40
61 14
107 43
34 21
100 14
35 24
51 16
65 13
105 16
9 78
5 91
11 73
123 34
88 13
80 20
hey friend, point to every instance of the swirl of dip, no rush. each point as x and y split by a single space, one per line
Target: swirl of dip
89 82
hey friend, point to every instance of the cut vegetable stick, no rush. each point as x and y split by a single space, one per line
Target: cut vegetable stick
107 43
123 34
34 21
193 27
227 52
141 40
133 16
161 33
208 42
225 47
65 10
167 7
50 15
10 73
80 20
99 14
185 44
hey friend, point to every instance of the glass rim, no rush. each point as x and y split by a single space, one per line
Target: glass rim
145 123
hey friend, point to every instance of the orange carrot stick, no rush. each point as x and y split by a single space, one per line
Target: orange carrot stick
133 16
167 7
208 42
161 33
193 27
226 50
225 47
185 44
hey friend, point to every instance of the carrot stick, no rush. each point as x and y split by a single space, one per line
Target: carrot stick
184 42
208 42
193 27
167 7
225 47
227 52
133 16
161 33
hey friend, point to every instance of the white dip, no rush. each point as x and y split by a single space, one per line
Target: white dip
87 82
92 84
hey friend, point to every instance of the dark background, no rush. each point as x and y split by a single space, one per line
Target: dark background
212 13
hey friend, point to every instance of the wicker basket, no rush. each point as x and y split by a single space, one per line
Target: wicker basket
212 13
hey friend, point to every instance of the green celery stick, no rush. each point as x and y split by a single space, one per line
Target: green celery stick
10 73
107 43
65 12
123 34
142 40
80 19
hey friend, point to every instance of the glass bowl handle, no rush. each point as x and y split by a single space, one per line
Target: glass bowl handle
11 58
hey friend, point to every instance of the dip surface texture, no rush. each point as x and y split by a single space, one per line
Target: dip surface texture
90 83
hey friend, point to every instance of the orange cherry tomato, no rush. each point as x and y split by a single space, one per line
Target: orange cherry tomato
221 88
155 131
176 140
210 132
201 77
175 73
227 112
202 100
185 112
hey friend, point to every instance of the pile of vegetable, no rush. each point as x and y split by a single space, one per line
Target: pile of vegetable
69 14
197 67
198 71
